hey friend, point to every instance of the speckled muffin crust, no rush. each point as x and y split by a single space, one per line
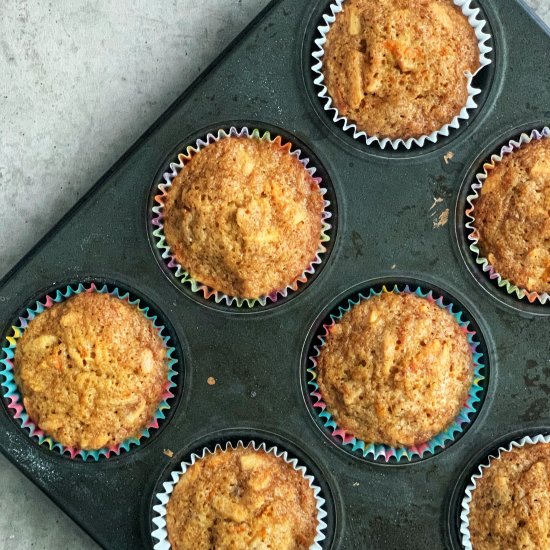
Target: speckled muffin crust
510 505
244 217
512 217
91 370
242 499
395 370
396 68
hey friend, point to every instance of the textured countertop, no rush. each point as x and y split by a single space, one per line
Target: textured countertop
80 80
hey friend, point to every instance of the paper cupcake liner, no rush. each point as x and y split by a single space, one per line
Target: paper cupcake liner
464 519
159 519
170 259
14 399
375 451
473 236
329 18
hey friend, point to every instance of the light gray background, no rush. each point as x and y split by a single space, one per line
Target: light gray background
80 80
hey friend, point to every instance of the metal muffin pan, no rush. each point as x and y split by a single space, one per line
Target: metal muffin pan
392 208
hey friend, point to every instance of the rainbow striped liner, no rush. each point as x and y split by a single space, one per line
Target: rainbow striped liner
374 451
171 261
14 398
159 519
464 520
473 236
319 80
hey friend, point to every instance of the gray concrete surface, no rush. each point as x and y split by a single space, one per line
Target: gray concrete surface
80 80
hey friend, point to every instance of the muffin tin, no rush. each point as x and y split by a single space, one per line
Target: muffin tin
398 216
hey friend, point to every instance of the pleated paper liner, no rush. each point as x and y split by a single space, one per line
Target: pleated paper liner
160 534
473 234
180 272
468 495
13 398
379 453
477 23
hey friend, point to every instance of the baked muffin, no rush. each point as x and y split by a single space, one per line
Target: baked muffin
512 217
510 505
244 217
396 68
395 370
91 371
241 499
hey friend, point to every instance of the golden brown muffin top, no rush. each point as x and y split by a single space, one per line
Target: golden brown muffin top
241 499
396 68
395 370
510 505
512 217
244 217
91 370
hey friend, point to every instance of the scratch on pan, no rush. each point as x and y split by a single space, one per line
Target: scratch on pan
437 200
442 220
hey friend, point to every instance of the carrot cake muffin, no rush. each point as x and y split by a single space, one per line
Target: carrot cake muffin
510 505
244 217
241 499
91 371
395 370
396 68
512 217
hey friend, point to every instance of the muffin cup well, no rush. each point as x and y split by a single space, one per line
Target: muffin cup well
179 271
465 506
329 18
13 397
473 235
159 519
385 453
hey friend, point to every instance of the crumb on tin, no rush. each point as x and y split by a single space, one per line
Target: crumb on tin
211 381
448 157
442 219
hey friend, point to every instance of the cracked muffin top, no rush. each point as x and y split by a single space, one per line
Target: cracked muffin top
397 68
244 217
241 499
91 371
512 217
510 505
395 370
